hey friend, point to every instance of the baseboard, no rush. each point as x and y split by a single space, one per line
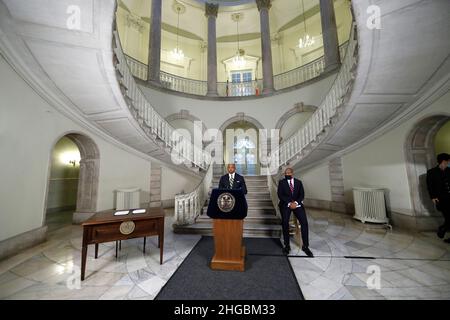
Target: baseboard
169 203
317 204
61 209
13 245
414 223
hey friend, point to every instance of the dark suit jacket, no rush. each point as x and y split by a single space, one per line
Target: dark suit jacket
239 182
436 182
285 195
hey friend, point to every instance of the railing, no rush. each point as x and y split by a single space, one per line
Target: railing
304 73
321 118
299 75
150 121
137 68
197 87
242 89
189 205
185 85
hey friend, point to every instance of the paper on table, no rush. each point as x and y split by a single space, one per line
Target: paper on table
121 213
139 211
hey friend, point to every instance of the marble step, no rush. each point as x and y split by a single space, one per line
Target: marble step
254 211
250 229
252 203
261 219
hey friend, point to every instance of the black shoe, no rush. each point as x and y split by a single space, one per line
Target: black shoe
308 252
447 240
286 250
441 232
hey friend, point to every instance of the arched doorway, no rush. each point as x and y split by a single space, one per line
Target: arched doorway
420 156
73 180
241 144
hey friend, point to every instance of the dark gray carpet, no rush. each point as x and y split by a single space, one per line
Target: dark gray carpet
268 275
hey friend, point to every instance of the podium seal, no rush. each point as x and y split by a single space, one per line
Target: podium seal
226 202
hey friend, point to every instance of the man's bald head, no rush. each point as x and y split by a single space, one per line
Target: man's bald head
231 168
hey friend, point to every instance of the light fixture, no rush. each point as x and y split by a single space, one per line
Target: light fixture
307 40
70 158
177 54
238 60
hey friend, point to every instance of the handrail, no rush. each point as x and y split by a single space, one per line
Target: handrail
322 117
152 123
273 189
188 206
283 80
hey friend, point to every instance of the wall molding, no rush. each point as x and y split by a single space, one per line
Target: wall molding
14 245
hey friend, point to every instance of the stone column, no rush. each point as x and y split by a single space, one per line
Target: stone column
330 35
336 173
154 51
211 14
155 185
266 47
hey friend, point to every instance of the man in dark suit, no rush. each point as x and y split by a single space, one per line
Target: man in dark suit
232 180
291 195
438 183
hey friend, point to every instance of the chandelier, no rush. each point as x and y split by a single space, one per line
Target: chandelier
177 54
307 40
238 60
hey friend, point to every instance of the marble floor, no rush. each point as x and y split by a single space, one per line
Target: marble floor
405 265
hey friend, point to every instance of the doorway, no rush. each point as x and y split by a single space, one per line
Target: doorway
424 142
241 146
73 181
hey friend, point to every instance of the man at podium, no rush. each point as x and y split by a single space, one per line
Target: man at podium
232 180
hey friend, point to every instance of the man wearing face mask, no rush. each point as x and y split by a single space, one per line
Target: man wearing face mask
291 195
438 183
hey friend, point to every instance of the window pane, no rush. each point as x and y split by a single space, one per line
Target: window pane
235 77
247 76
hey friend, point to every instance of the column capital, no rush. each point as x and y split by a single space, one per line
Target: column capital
264 4
211 9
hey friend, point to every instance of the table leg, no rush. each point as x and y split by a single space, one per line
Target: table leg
145 240
116 248
96 250
83 261
120 244
161 247
84 249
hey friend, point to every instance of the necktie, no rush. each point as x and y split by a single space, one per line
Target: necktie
291 185
231 182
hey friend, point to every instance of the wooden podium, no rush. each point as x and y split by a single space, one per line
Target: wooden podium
229 251
228 208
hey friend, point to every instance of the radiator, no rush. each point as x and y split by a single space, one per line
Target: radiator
128 198
370 205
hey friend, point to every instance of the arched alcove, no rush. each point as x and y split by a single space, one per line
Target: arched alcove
420 156
293 119
88 178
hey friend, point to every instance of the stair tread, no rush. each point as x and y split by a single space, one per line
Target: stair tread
247 225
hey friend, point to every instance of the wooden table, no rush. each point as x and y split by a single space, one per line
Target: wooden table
104 226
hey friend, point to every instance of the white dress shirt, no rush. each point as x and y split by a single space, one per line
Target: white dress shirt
293 184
